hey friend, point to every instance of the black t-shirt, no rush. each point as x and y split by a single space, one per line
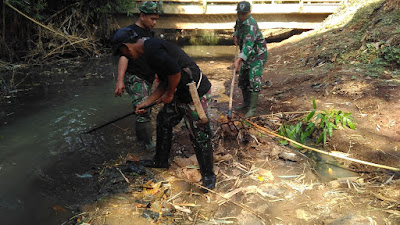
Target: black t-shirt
168 59
139 66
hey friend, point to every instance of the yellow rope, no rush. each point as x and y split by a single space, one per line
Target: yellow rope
324 152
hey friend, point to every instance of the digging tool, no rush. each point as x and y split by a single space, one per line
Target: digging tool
232 87
119 118
109 122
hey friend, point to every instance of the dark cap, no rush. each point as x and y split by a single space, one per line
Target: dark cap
149 7
243 7
123 35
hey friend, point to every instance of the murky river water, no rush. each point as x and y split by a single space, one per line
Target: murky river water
52 126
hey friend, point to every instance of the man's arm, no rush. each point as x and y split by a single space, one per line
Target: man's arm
122 66
160 90
173 81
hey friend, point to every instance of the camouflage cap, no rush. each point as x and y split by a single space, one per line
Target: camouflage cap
243 6
149 7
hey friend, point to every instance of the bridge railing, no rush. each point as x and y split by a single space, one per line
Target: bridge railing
214 7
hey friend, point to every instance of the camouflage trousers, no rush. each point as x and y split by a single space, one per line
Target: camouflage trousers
138 89
171 114
250 77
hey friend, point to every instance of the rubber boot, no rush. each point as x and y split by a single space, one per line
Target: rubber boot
165 124
246 100
204 155
144 133
163 147
253 105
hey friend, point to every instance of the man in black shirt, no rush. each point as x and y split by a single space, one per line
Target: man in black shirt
175 69
136 77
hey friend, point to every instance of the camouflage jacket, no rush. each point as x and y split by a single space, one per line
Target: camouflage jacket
252 44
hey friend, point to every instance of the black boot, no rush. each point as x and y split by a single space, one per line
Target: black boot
163 147
204 155
246 100
166 120
144 133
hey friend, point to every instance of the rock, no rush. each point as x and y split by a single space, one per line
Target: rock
246 218
353 220
302 214
290 156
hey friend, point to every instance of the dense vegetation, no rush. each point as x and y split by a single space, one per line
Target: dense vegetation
34 31
365 34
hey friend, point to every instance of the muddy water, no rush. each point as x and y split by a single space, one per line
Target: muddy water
46 131
47 127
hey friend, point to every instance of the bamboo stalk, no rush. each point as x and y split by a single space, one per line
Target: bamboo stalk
324 152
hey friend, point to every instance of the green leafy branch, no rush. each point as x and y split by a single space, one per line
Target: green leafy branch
317 124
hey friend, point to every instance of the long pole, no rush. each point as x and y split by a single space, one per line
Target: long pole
232 86
109 122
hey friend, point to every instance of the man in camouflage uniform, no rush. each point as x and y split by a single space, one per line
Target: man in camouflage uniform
253 55
175 70
136 77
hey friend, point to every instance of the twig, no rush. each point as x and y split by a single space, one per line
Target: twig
175 196
324 152
64 45
57 13
195 218
236 203
126 179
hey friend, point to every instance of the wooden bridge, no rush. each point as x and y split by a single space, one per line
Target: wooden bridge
221 14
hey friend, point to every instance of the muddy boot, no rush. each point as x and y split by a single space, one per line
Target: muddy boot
163 147
165 123
253 105
144 133
205 158
246 100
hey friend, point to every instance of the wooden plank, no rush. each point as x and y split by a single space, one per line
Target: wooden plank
223 7
215 22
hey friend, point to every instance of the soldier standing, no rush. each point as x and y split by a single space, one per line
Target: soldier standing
253 56
136 77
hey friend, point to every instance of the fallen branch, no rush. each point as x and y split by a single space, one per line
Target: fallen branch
324 152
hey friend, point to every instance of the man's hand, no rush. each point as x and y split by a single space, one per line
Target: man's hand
235 41
167 97
237 64
119 88
139 109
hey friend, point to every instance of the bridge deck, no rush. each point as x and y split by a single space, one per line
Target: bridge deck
221 14
217 7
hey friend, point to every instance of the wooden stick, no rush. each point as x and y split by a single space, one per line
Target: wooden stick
232 86
324 152
126 179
